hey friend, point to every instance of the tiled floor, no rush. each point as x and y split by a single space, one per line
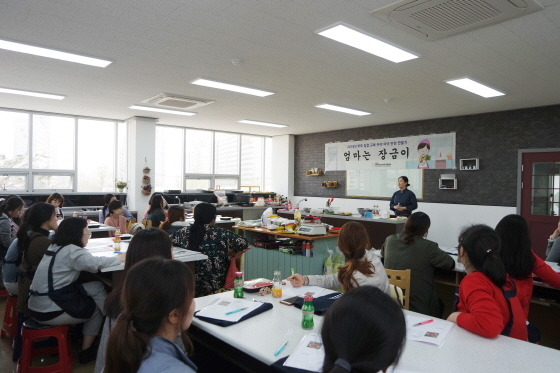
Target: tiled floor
6 364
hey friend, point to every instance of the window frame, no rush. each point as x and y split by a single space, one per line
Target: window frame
212 176
30 171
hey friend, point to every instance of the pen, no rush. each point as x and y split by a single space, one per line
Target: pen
280 349
239 310
424 322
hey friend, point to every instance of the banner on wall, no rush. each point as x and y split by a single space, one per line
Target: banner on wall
412 152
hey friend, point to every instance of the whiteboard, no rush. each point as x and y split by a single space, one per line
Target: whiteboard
381 183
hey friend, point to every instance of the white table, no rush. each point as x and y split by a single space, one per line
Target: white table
104 247
461 352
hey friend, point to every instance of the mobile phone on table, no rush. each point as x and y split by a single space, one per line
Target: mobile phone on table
289 301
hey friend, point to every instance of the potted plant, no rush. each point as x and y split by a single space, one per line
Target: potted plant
146 179
121 185
147 190
147 170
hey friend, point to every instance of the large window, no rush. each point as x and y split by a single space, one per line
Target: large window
48 152
212 160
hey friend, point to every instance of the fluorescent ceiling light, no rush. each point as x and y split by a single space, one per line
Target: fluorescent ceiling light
231 87
474 87
29 93
44 52
343 109
367 43
147 108
247 121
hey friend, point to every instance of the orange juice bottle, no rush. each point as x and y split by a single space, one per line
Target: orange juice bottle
277 285
117 240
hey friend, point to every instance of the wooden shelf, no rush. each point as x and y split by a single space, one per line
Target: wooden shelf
319 173
329 184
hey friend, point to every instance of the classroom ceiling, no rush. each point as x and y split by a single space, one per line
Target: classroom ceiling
162 46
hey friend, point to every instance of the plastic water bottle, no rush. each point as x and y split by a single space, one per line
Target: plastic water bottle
117 241
308 310
277 285
238 285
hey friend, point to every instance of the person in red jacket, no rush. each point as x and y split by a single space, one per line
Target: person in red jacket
520 261
482 306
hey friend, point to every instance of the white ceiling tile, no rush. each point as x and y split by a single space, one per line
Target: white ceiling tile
161 7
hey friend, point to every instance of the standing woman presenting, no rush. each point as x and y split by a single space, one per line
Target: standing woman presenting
403 201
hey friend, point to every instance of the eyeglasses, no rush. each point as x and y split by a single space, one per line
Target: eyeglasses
87 234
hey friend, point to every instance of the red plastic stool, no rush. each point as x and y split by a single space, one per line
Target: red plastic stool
9 326
31 331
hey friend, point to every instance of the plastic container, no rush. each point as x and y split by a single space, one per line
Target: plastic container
117 241
277 285
307 310
238 285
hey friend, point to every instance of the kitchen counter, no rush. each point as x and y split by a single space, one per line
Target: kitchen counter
378 229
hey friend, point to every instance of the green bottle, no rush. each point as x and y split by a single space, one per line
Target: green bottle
308 310
238 285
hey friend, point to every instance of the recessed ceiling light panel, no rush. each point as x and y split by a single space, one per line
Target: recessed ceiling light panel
232 87
258 123
343 109
353 38
475 87
147 108
50 53
30 93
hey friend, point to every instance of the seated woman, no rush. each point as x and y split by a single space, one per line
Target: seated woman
215 242
70 258
175 220
57 200
362 266
10 266
116 218
363 331
104 212
147 243
33 241
482 307
520 261
153 314
10 210
155 211
553 248
410 250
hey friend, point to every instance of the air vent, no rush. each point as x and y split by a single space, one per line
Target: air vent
176 102
438 19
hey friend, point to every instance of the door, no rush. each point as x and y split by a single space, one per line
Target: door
540 196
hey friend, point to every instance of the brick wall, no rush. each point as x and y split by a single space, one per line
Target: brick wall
494 138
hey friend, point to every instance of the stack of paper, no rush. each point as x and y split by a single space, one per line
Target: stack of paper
308 354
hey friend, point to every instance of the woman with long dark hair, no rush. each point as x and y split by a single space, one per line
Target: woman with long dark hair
175 220
488 304
153 314
70 259
215 242
362 267
147 243
33 241
363 331
520 261
411 250
155 211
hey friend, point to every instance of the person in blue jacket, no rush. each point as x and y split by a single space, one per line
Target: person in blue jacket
404 200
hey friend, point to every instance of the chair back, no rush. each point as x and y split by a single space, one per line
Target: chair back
401 279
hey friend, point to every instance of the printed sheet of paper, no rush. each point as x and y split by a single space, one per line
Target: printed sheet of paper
308 354
432 333
218 309
300 292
